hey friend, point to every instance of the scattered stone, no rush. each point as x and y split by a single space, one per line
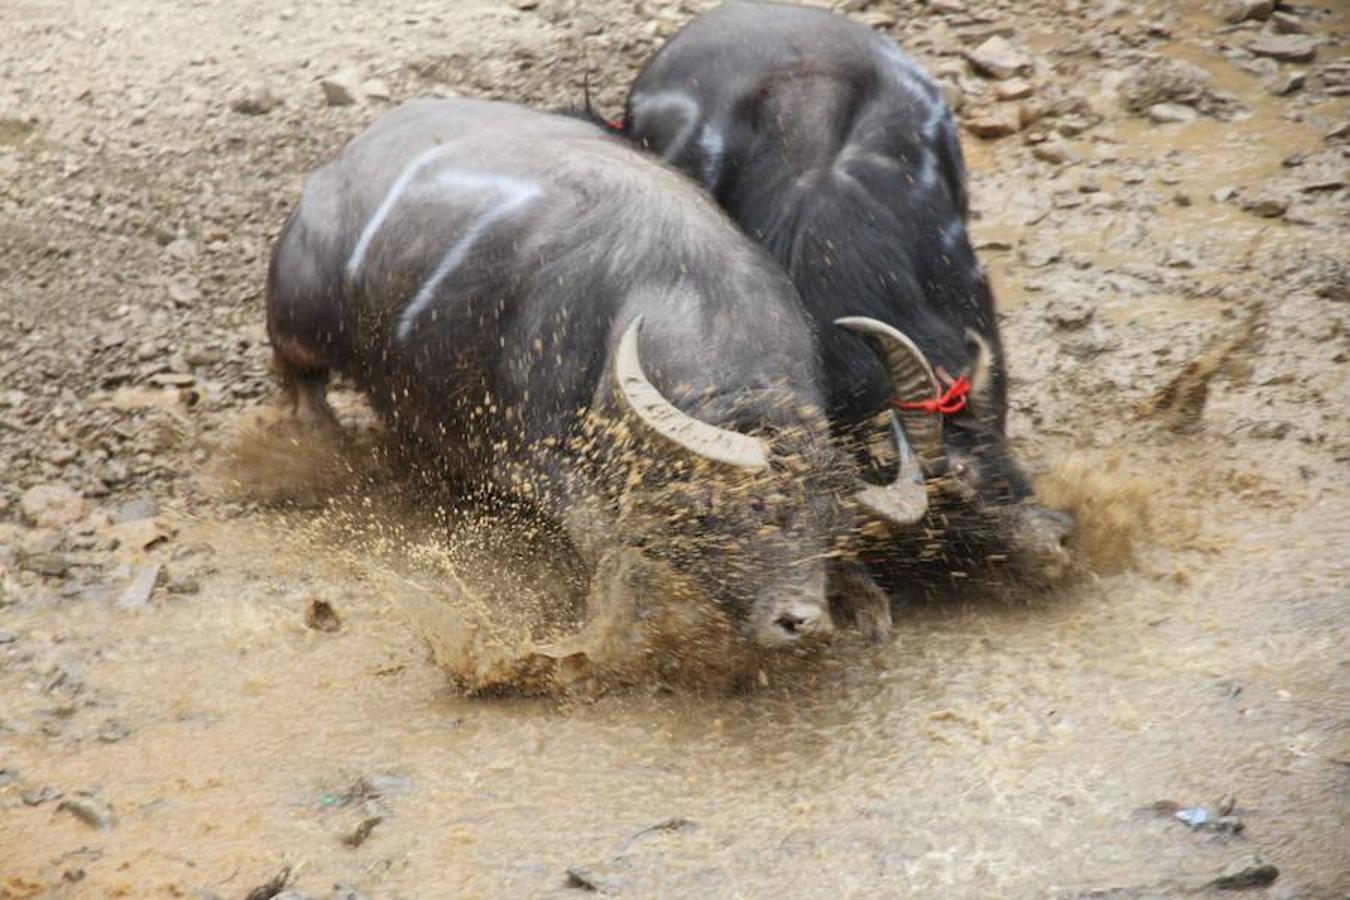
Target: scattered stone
361 833
998 58
14 130
1249 873
1013 89
1338 131
137 594
292 895
320 615
525 4
112 731
1223 194
7 636
1056 151
134 510
342 892
255 100
1271 431
1287 23
92 812
995 123
880 19
596 879
1166 80
53 565
1171 113
1069 314
341 89
179 581
52 506
39 796
1290 84
377 89
1285 47
1267 204
272 887
1235 11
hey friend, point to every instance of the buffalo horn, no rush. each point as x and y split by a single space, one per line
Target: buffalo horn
658 414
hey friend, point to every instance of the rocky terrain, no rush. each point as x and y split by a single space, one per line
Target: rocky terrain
201 697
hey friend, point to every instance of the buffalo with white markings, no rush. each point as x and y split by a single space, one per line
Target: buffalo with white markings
836 151
548 313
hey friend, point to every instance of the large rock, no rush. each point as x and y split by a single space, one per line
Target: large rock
1285 47
52 506
998 58
1171 113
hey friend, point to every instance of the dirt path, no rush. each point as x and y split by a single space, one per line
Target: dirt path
1175 312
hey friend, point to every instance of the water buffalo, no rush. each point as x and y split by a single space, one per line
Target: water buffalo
550 313
836 151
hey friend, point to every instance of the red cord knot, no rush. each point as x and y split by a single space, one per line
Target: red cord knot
614 124
952 400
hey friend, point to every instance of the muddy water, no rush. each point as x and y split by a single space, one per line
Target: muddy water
993 749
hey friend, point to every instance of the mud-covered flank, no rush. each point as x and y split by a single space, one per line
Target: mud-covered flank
204 686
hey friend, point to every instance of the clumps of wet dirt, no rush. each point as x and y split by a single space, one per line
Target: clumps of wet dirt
497 592
272 458
1111 506
1180 404
1165 80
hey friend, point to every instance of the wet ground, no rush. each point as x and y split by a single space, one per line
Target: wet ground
1179 361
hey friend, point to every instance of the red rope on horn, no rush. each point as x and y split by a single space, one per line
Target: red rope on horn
953 400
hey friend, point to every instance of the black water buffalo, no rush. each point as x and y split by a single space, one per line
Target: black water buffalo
552 314
835 150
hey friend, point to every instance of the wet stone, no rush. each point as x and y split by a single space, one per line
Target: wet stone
1271 431
1249 873
998 58
320 616
341 89
1171 113
92 812
1285 47
1286 23
7 636
1235 11
995 123
1268 205
39 796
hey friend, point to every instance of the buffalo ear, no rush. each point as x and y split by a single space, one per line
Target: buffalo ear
980 402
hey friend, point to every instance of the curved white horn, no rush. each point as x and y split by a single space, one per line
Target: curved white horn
912 380
642 398
905 500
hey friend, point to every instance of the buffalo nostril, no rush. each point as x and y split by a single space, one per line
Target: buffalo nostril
791 624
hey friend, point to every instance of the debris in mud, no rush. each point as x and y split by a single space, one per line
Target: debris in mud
998 122
594 879
342 892
137 593
320 616
1267 204
112 731
1180 404
361 833
90 811
134 510
1171 113
272 887
1246 874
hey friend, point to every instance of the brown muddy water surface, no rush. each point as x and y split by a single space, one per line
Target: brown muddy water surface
996 747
